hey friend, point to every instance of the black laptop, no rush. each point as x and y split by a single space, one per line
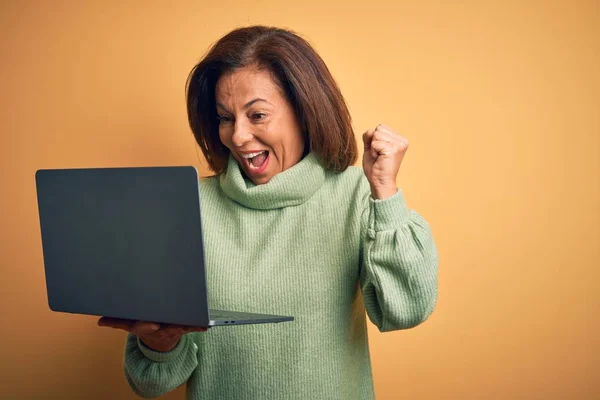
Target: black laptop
127 243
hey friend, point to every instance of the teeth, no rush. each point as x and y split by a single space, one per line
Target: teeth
251 155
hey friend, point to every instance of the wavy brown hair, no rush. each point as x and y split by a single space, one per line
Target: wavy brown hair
302 77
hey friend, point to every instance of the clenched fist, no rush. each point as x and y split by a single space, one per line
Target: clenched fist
384 151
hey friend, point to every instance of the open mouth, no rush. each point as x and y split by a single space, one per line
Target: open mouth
257 162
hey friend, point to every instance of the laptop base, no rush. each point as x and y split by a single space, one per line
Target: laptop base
222 318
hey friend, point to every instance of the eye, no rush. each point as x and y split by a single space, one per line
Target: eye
258 116
224 119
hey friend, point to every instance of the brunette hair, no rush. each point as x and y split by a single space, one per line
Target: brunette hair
303 78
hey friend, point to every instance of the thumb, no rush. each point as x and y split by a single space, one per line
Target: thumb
117 323
144 328
367 139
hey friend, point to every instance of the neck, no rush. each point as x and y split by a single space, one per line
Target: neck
291 187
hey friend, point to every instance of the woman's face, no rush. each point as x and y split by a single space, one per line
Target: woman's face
258 124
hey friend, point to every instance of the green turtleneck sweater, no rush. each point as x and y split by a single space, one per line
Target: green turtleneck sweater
312 244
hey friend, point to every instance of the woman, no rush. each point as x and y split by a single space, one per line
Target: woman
291 228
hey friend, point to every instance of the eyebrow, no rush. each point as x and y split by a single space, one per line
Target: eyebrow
248 104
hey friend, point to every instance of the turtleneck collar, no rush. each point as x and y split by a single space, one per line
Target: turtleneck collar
291 187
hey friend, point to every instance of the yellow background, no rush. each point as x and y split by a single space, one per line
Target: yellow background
500 102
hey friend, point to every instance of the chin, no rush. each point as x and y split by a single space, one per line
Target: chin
261 181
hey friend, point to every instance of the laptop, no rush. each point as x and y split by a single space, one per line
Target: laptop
127 243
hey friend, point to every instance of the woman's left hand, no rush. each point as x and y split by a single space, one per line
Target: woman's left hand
384 151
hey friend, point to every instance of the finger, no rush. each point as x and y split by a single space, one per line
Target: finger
367 138
117 323
390 134
141 328
392 145
403 145
194 328
387 135
188 329
198 329
398 142
381 128
175 329
380 147
373 152
384 128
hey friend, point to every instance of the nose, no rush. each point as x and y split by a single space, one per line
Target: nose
241 134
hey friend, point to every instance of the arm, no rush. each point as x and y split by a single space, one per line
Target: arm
151 373
399 264
399 259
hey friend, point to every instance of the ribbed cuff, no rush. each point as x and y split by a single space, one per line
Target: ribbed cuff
161 357
390 213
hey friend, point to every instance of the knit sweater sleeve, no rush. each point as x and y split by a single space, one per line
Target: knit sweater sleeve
151 374
399 264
